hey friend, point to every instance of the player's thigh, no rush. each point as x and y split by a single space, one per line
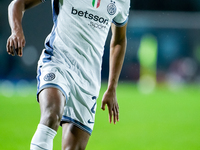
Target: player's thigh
52 102
51 97
73 138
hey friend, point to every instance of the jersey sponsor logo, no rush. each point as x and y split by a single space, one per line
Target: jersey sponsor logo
96 25
89 16
49 77
111 8
96 3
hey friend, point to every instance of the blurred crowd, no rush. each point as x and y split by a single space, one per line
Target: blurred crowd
173 24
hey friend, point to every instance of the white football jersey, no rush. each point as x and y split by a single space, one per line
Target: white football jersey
78 37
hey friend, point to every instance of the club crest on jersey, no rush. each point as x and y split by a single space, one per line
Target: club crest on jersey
111 8
96 3
49 77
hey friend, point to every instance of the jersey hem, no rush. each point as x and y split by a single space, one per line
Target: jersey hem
120 24
48 85
76 123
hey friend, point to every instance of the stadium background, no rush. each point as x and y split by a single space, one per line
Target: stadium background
174 24
174 29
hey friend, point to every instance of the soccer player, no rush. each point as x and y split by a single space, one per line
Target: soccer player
69 68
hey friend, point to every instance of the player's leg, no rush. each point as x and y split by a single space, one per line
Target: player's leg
52 103
73 138
78 117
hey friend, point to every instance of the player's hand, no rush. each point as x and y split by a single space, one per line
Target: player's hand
110 99
15 44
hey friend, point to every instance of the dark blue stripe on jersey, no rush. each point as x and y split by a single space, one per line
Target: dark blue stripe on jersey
56 6
48 53
120 24
38 78
80 125
49 44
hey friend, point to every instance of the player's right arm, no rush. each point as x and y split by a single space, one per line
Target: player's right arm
16 9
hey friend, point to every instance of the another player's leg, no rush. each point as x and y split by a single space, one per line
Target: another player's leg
73 138
52 103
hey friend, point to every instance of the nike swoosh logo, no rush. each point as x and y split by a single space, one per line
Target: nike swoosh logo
89 121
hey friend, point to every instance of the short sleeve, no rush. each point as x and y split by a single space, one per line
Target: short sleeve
122 17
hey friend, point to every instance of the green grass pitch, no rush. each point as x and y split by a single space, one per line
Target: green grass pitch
162 120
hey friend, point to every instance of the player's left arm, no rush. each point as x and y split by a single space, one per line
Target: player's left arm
117 53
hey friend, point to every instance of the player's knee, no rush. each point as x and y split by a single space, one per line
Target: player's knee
74 147
50 119
54 118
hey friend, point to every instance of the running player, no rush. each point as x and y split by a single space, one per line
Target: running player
69 68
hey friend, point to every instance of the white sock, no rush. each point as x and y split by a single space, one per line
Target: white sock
43 138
